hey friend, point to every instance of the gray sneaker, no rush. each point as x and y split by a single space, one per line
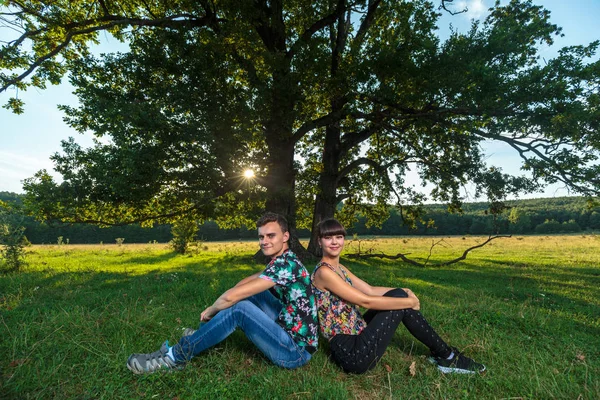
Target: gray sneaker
152 362
189 331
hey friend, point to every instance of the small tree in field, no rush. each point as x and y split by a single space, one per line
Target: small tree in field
184 232
549 226
520 221
12 238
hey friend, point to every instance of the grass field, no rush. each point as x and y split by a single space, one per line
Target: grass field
527 307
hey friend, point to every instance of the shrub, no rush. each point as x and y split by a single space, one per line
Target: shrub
570 226
549 226
12 238
184 232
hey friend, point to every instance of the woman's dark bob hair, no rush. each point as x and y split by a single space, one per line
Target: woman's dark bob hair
330 227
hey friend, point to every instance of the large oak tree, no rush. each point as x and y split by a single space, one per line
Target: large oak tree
329 101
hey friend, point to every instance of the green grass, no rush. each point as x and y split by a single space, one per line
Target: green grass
527 307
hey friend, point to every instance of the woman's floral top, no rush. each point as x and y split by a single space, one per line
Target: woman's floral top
293 288
336 315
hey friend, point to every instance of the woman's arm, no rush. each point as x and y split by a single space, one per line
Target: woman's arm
326 279
365 287
244 289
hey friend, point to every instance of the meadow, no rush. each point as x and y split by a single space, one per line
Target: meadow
528 307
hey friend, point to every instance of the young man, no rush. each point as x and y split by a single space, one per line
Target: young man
275 308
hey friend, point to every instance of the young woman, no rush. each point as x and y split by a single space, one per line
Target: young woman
357 341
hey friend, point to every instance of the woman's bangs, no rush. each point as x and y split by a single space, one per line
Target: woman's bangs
331 227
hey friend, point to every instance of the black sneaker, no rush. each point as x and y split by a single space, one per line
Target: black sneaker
458 364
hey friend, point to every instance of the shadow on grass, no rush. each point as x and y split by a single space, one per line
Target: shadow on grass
495 276
95 311
149 259
550 290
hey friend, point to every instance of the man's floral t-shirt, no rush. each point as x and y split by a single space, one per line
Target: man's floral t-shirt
292 287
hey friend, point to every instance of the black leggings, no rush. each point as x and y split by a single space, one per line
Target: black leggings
360 353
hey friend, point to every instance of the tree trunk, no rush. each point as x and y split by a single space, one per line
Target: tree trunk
326 200
281 193
280 181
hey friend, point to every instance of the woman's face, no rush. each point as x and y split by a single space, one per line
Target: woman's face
332 245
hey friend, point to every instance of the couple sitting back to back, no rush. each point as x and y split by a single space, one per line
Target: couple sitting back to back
281 308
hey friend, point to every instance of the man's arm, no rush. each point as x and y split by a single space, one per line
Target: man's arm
248 279
244 289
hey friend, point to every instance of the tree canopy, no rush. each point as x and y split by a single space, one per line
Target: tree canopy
330 102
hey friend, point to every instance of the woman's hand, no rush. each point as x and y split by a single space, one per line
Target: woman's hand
208 314
411 295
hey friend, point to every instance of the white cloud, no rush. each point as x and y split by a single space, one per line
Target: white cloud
476 8
15 167
22 162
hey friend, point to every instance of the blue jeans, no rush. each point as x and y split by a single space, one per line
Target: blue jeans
256 316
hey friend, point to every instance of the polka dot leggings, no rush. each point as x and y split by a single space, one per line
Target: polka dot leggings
360 353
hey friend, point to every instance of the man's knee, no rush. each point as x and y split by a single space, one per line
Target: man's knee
243 306
243 310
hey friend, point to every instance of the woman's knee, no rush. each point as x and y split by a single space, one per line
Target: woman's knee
396 293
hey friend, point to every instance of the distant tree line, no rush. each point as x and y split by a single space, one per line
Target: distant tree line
537 216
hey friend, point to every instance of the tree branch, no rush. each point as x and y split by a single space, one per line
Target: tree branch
419 264
338 43
522 148
315 27
78 220
106 22
382 169
104 7
319 122
355 138
365 25
445 7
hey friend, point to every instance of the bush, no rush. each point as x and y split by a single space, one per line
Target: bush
184 232
12 238
549 226
594 221
571 226
520 221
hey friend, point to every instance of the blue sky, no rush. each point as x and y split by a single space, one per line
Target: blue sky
28 140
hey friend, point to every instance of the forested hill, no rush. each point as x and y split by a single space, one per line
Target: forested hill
546 215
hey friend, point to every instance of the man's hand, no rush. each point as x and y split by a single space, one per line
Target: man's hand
208 314
246 288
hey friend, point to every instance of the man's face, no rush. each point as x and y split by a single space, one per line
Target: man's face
273 242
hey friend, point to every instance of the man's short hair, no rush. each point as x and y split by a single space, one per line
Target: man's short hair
273 217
